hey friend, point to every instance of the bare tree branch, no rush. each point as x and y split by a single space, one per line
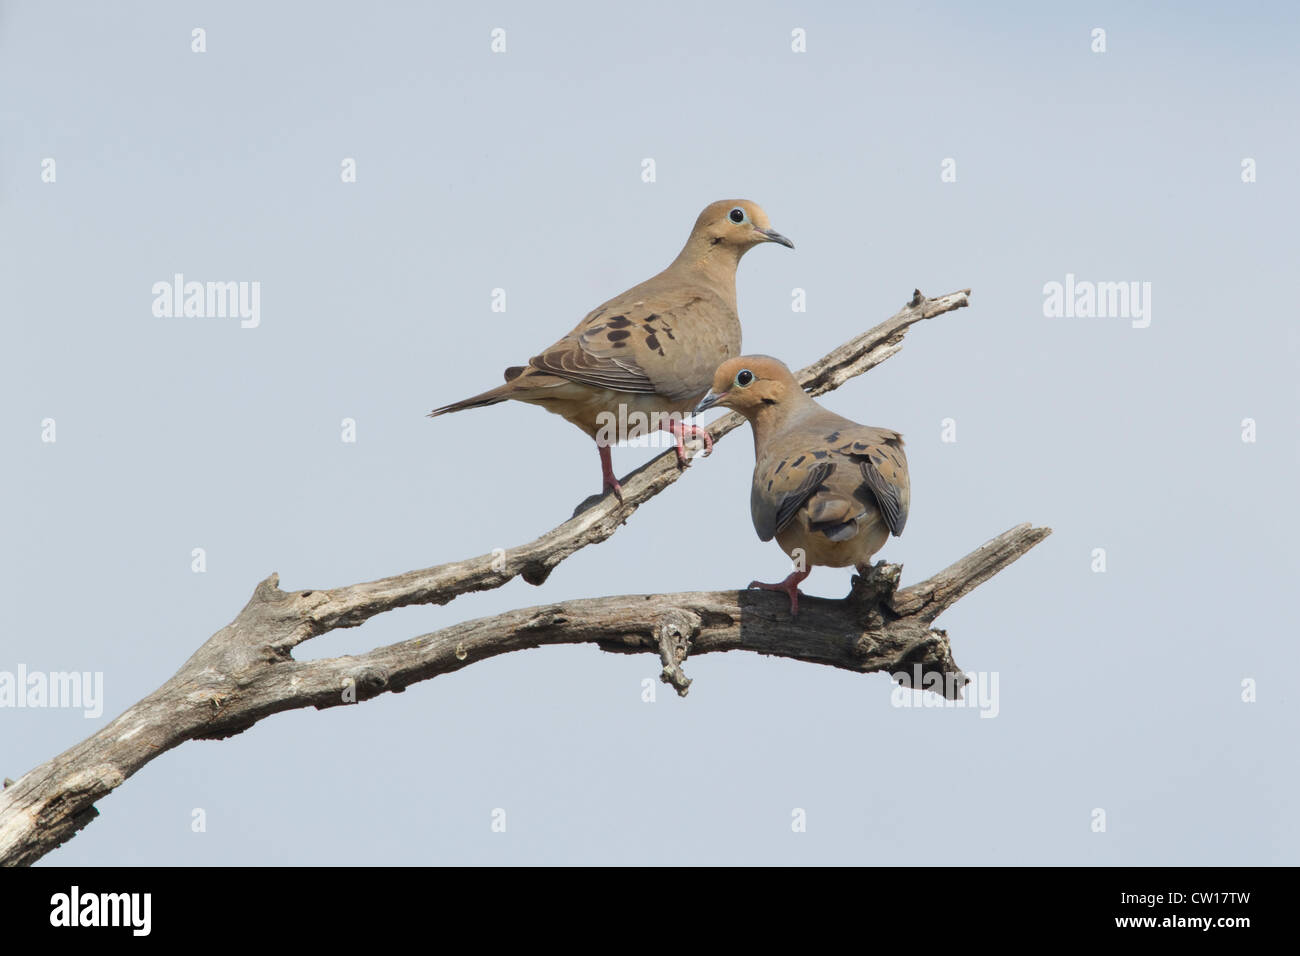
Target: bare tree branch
246 671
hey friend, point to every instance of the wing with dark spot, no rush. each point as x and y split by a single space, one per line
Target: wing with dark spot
887 496
884 471
598 353
775 500
633 344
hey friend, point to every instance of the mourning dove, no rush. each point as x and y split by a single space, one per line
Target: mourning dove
829 490
643 359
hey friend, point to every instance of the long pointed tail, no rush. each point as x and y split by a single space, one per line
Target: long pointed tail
493 396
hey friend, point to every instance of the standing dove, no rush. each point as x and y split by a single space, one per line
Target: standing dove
829 490
651 351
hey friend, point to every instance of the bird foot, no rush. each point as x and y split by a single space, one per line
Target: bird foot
681 432
789 586
608 481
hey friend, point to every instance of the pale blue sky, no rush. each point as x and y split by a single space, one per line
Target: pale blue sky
1118 690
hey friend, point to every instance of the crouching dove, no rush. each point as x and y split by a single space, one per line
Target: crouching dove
652 350
829 490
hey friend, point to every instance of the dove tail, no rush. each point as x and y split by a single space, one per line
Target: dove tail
492 396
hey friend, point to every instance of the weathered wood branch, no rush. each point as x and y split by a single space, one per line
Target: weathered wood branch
246 671
224 690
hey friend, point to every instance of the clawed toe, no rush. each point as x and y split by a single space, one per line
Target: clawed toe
790 587
681 433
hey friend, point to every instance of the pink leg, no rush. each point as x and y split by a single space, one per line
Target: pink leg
681 432
607 474
789 586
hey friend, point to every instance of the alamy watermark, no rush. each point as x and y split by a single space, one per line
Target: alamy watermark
53 689
1102 300
655 429
208 300
977 689
130 910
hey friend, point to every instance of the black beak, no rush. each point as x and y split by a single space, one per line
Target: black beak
771 235
708 401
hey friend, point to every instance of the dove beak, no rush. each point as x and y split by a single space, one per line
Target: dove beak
771 235
708 401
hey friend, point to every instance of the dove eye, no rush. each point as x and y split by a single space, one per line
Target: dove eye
744 377
737 215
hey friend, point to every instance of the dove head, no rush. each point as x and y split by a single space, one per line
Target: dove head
731 227
754 385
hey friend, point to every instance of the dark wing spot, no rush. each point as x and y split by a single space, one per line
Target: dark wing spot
878 459
513 372
833 436
652 316
618 345
669 332
769 481
795 463
618 335
819 455
652 341
779 467
618 322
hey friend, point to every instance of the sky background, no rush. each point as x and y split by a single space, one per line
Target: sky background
1119 690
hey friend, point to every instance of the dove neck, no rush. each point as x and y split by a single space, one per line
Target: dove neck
768 421
714 263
